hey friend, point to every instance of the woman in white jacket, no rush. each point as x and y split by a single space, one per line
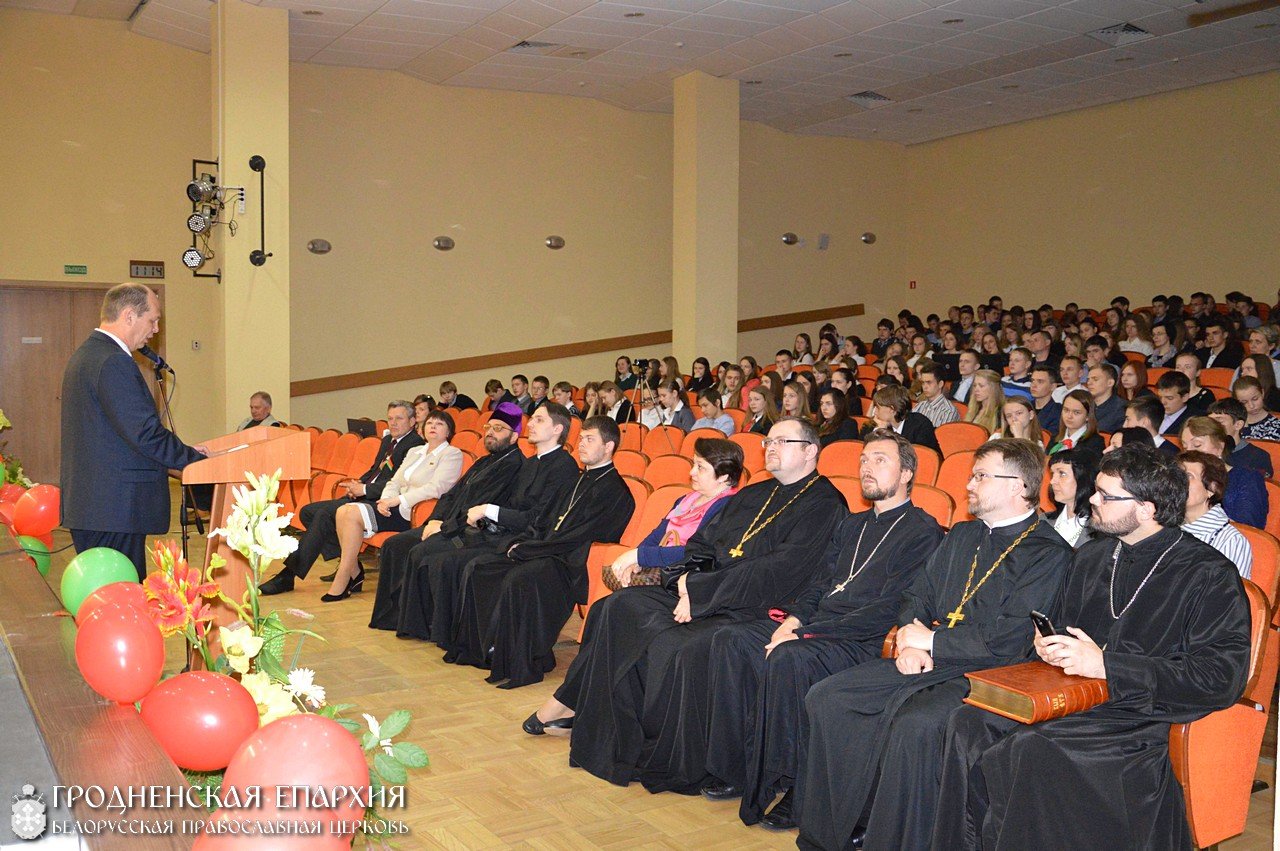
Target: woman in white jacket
427 472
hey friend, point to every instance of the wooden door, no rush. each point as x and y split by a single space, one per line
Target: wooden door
40 327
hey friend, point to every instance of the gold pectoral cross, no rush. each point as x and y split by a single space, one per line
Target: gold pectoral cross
736 552
954 618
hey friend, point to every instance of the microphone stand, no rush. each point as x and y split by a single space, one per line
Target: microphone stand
188 510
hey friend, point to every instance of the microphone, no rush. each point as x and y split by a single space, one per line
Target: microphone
148 353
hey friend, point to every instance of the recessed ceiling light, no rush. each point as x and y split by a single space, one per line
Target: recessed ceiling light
842 55
315 13
634 15
954 21
1011 87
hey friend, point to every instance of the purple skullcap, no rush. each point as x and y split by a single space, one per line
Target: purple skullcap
509 413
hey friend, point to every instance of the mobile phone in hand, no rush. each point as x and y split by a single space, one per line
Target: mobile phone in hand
1044 626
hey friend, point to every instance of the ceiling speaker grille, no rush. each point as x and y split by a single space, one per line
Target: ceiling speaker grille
1120 34
869 99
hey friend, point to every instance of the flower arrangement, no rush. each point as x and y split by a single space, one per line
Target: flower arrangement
180 601
10 467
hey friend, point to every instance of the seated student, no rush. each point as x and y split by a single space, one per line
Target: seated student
844 380
1259 424
450 398
1018 419
750 372
538 388
562 394
640 678
763 412
1018 381
259 412
1231 415
716 470
713 416
1133 382
701 379
670 409
795 401
592 404
802 352
512 604
1108 407
1040 345
1137 335
1260 367
427 472
948 357
986 402
1147 413
520 393
834 423
497 393
782 361
1205 516
884 337
1173 389
934 403
1245 499
1079 428
1164 345
731 391
875 731
1071 474
1044 381
891 409
761 669
614 404
1219 349
1177 642
624 377
1199 398
1071 374
1129 436
320 517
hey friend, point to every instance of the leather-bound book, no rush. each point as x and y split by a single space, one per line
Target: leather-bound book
1033 691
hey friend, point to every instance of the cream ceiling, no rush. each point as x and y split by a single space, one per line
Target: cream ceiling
945 66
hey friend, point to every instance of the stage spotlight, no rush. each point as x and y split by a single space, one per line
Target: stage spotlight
192 258
202 191
199 222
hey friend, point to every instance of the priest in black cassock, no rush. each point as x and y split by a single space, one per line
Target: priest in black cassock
430 596
489 480
760 672
639 685
512 605
875 733
1173 620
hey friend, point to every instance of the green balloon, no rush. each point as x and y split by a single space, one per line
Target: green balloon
36 550
92 569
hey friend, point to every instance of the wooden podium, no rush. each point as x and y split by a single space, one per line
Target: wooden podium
261 451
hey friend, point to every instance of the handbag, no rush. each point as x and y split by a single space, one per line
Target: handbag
645 576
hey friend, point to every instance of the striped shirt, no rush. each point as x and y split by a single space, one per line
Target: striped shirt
939 410
1215 529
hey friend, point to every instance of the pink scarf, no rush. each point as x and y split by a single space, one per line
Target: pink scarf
685 518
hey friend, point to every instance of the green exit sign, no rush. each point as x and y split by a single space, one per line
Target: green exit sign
75 270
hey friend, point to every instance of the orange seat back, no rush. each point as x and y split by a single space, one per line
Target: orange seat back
343 450
630 463
1272 448
640 490
1216 376
953 477
322 444
632 436
663 440
937 502
752 449
362 458
866 370
668 470
738 416
851 488
466 440
840 458
959 436
686 448
1273 507
928 461
468 418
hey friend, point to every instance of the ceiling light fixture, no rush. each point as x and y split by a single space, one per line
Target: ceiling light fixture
843 55
954 21
315 13
634 15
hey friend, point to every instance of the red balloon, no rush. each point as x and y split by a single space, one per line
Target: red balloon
200 718
298 750
46 539
6 513
128 593
38 511
120 652
11 492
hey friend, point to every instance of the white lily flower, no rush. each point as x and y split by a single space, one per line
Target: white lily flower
302 685
376 729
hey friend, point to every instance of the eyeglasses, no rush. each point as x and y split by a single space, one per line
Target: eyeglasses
498 427
778 441
982 477
1110 497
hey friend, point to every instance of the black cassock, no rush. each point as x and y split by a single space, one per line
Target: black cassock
639 685
490 479
1102 778
872 720
431 594
512 605
756 702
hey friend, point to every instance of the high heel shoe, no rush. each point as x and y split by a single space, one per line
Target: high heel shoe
353 586
534 727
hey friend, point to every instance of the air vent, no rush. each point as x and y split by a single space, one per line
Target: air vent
1120 34
542 47
869 99
568 51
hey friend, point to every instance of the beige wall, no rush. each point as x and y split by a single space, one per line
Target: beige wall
1170 193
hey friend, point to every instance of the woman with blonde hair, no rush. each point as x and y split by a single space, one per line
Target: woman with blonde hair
986 401
591 401
764 413
1018 419
669 370
795 401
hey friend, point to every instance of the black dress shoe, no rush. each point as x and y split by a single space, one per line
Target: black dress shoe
780 818
278 584
354 584
534 727
718 790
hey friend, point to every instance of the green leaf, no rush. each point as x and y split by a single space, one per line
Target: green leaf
369 741
273 633
269 664
391 771
410 755
220 665
395 723
352 727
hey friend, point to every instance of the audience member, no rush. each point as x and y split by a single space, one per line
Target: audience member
1259 424
450 398
1108 408
259 412
1148 413
1079 428
1133 382
520 393
987 401
1071 474
497 393
833 418
1219 350
782 362
966 369
562 395
1231 415
1044 382
933 403
795 401
624 377
1018 419
1259 367
891 410
614 404
701 378
763 412
1245 499
1205 518
713 416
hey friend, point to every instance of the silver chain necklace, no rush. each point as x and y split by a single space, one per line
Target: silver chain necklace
853 574
1111 589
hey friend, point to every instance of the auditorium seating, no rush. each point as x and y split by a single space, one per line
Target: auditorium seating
840 458
629 462
953 477
1215 376
663 440
958 436
632 435
668 470
937 502
686 448
851 488
752 450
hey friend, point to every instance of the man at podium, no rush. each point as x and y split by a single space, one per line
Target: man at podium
116 454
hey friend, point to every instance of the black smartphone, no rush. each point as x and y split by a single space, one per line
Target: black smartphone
1044 626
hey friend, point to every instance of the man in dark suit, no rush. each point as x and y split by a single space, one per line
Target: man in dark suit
115 451
891 409
321 537
1219 349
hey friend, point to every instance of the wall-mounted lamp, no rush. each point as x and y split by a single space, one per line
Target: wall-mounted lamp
868 237
442 243
555 243
790 238
319 246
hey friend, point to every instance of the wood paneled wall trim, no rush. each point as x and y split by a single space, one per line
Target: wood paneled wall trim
417 371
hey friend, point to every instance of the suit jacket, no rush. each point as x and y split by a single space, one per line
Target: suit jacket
1230 358
1175 427
115 451
919 430
424 476
386 463
461 402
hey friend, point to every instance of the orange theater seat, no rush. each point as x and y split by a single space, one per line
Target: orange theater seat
322 445
851 488
958 436
1272 448
340 459
467 440
1273 507
668 470
364 456
927 464
632 435
937 502
840 458
866 370
686 447
752 449
663 440
739 417
953 478
630 463
421 512
1216 376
